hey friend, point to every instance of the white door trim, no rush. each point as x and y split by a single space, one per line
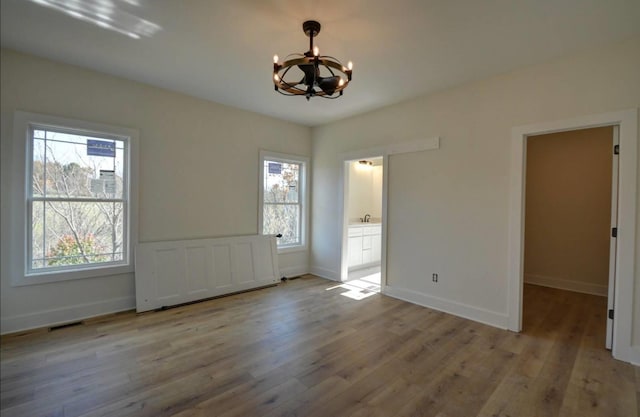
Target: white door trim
613 241
627 120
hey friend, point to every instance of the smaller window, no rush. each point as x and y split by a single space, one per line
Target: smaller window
283 205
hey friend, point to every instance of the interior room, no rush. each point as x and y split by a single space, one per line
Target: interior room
571 198
276 208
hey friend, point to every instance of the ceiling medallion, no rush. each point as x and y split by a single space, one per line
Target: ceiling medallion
322 75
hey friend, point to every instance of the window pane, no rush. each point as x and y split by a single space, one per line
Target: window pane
37 234
282 218
281 182
37 177
77 166
75 233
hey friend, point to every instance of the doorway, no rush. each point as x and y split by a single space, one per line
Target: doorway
627 121
570 210
363 190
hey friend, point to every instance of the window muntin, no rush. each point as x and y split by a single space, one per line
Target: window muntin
283 189
77 202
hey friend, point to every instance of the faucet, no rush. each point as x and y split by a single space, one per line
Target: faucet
367 217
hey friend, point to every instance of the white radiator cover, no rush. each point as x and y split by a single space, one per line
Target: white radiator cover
180 271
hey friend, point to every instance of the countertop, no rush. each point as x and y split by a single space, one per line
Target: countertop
362 224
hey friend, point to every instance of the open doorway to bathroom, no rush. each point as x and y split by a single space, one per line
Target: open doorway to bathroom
363 218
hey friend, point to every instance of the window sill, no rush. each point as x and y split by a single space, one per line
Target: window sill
292 249
59 276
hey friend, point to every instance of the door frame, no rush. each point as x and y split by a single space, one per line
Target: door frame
347 158
613 240
385 151
627 120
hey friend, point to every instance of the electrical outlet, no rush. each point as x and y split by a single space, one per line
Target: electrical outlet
434 277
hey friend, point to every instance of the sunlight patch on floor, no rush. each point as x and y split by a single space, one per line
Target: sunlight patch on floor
372 278
359 289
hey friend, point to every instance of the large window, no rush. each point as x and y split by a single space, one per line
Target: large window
283 198
77 207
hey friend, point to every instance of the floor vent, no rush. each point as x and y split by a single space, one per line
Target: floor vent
66 325
290 278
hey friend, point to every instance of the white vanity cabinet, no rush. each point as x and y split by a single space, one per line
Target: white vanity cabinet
365 245
355 246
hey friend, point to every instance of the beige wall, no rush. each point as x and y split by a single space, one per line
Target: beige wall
198 172
568 209
448 209
365 191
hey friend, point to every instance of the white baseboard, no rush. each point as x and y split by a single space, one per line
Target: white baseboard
630 354
565 284
635 355
294 271
492 318
325 273
63 315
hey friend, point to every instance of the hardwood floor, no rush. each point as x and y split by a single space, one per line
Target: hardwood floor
304 349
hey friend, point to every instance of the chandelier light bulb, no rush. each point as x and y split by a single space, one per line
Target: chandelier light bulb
275 59
350 65
316 51
276 77
341 82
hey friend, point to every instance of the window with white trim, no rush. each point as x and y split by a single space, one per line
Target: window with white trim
283 204
77 202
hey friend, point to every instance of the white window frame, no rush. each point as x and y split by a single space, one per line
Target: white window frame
21 272
303 196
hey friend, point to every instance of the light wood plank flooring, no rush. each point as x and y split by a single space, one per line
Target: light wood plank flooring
304 349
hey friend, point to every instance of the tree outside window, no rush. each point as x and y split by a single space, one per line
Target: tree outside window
282 199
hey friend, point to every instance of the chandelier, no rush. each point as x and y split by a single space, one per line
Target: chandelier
322 75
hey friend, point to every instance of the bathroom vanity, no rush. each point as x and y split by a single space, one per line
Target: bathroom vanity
365 245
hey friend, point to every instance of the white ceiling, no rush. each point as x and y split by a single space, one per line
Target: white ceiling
222 50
